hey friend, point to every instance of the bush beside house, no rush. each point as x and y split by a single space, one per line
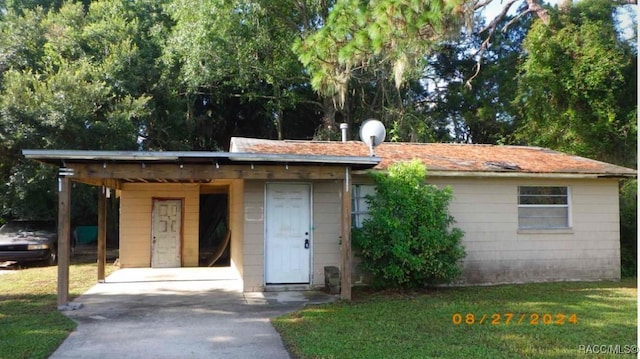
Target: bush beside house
408 241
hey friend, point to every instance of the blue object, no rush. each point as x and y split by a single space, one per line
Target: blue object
87 234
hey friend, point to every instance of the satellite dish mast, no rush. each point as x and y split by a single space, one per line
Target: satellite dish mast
372 132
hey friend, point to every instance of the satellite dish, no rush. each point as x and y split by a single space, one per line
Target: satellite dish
372 132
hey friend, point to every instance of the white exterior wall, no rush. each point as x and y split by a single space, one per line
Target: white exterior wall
497 252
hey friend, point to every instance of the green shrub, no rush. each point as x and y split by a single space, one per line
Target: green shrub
629 228
408 241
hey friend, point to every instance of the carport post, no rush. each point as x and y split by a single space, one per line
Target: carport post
102 232
64 217
345 274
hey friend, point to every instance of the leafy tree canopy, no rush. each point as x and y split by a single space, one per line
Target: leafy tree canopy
179 75
241 49
70 80
391 34
577 87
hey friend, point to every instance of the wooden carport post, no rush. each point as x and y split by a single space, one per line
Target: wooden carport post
64 234
102 233
345 273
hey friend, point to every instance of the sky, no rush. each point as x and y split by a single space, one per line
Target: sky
625 14
495 7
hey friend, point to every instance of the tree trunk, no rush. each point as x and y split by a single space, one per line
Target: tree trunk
279 123
329 113
539 11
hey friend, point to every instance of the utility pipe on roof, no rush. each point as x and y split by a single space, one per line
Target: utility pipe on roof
343 128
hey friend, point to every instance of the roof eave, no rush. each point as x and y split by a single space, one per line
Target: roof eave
60 156
120 155
504 174
293 158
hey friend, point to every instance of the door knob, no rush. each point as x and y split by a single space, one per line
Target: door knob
306 244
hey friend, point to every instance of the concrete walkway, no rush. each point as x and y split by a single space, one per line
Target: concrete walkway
179 313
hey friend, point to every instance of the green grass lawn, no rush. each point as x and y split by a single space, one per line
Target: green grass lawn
448 323
30 324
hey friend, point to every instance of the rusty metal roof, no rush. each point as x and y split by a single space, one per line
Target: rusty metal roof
448 158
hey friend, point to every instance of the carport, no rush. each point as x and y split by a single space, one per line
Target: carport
112 170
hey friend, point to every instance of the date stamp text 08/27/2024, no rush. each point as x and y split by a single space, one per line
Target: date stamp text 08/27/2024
514 319
508 318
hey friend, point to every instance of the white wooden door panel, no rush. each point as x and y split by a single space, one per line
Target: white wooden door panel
287 233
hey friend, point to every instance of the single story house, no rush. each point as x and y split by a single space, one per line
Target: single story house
528 213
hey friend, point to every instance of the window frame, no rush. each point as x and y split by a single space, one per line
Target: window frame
567 205
357 198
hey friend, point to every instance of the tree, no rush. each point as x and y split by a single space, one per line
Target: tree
408 242
225 51
577 92
77 84
629 228
389 36
69 85
577 87
482 112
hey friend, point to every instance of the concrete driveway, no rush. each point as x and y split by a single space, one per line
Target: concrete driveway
179 313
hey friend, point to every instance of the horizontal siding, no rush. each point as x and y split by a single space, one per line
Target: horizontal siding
548 270
253 250
486 209
327 210
543 254
525 245
253 228
326 219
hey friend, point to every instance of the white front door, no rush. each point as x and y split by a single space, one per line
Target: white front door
166 233
287 233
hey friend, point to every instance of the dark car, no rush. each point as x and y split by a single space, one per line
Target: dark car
22 241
